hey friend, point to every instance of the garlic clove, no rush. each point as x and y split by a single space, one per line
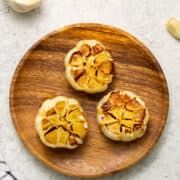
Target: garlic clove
24 6
173 27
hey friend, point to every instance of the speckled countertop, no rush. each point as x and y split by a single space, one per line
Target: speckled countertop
145 19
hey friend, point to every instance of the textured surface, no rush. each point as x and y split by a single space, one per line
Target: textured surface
146 20
40 75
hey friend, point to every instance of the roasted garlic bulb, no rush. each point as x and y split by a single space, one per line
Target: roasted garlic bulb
61 123
89 67
122 116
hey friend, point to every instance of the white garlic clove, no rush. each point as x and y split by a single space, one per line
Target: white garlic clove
24 6
173 27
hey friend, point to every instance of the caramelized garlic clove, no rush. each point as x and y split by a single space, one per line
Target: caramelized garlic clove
104 56
54 119
102 77
78 128
77 73
115 127
85 50
46 124
91 71
133 105
108 119
75 115
116 112
76 59
93 83
105 67
62 136
60 108
116 99
128 114
51 137
83 80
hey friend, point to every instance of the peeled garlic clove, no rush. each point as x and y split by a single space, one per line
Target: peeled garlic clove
23 6
173 27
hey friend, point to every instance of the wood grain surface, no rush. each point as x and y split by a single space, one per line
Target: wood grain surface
40 75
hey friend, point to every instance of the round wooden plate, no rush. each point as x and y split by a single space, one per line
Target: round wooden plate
40 75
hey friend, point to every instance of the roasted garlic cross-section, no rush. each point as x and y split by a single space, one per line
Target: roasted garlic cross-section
89 67
122 116
61 123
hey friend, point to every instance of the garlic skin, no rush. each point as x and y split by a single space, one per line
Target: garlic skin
173 27
24 6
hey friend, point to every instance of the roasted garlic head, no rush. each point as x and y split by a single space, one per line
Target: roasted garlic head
89 67
61 123
122 116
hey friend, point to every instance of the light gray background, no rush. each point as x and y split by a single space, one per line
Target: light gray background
143 18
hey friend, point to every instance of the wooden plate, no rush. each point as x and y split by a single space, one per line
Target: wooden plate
40 75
